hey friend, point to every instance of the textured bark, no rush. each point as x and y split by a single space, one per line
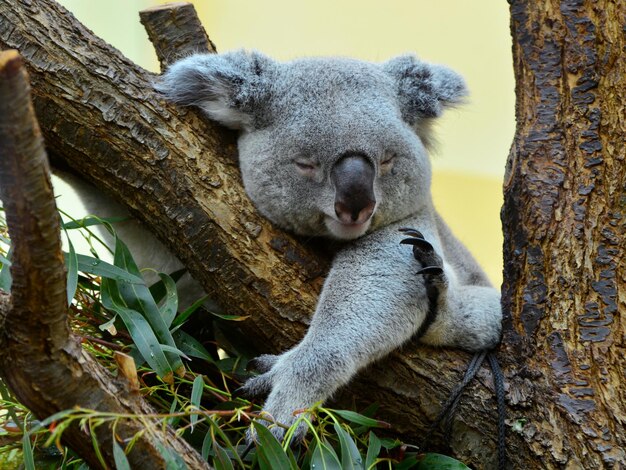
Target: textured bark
565 239
41 362
175 31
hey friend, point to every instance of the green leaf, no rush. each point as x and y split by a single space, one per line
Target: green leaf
357 418
350 456
5 274
139 330
137 297
270 453
191 346
158 288
180 319
439 462
170 305
207 443
121 462
27 449
196 397
97 267
221 460
324 458
72 272
91 220
373 449
173 461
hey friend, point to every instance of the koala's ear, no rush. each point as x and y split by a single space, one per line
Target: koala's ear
424 90
230 88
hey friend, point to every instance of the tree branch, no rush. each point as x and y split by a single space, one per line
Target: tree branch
42 363
175 31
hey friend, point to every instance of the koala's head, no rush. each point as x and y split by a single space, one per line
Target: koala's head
332 147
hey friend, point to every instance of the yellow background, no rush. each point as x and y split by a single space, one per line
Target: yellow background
472 37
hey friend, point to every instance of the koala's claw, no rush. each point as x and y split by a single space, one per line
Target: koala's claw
417 242
263 363
431 270
259 385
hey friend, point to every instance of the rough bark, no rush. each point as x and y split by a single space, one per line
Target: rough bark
175 31
41 362
565 239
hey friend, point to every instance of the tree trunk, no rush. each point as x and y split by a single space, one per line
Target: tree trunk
565 243
178 174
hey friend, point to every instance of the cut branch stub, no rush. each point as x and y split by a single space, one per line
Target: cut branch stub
175 31
41 362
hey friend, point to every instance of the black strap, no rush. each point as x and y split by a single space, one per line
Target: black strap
449 407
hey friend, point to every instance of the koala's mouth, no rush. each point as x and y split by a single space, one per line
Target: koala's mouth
346 231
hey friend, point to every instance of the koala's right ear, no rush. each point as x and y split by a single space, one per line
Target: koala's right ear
230 88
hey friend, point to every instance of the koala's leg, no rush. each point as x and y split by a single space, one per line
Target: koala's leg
372 302
465 316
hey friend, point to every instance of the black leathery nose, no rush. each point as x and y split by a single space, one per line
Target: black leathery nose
353 178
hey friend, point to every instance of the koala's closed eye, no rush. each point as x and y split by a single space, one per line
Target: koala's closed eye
387 162
306 167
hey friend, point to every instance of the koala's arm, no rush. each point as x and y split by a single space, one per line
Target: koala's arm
373 301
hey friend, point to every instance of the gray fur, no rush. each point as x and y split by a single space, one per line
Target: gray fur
298 120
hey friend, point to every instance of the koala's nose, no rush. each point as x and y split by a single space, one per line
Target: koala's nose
353 177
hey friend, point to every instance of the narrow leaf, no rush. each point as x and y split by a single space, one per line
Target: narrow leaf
137 297
27 449
139 330
221 460
5 274
350 457
270 453
97 267
121 461
357 418
72 271
180 319
373 449
158 288
324 458
207 444
191 346
91 220
170 304
440 462
196 397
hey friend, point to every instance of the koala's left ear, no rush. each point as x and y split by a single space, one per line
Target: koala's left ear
230 88
424 90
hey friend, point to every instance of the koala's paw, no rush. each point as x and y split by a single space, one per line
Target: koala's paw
264 362
423 251
259 385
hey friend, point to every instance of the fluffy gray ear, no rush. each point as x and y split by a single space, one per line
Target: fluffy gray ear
424 90
230 88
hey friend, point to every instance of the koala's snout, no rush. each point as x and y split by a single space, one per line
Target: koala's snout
353 178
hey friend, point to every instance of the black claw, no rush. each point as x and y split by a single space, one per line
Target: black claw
417 242
432 270
412 232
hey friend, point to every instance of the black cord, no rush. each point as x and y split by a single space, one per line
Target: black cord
449 407
498 381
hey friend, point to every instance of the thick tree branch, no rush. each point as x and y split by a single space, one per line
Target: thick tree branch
41 362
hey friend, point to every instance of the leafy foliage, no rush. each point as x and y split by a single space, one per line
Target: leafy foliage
112 309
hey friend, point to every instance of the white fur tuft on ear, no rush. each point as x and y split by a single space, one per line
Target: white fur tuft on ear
230 88
424 90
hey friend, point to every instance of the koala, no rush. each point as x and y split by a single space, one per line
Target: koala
338 148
